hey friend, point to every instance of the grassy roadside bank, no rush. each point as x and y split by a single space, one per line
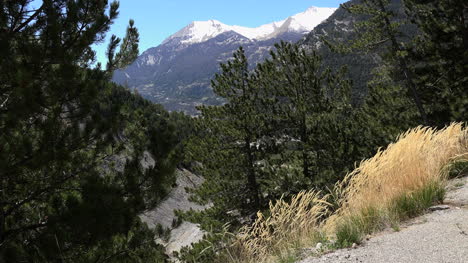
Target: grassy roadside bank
396 184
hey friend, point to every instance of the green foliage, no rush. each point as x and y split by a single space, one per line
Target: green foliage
311 111
290 124
162 232
286 126
212 248
458 168
152 132
282 123
128 49
348 233
439 57
353 229
225 146
381 21
414 204
381 33
387 110
176 222
137 245
424 52
71 180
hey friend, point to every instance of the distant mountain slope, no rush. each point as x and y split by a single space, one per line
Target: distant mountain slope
339 27
177 73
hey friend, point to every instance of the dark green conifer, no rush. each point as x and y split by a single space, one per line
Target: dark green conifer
227 147
439 57
384 31
312 102
60 127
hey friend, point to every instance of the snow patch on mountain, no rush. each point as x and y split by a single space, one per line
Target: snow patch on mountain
200 31
309 19
151 60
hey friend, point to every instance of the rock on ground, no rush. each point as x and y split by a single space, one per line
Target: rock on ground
440 236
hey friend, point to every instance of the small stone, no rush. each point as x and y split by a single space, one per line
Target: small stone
354 245
319 246
439 207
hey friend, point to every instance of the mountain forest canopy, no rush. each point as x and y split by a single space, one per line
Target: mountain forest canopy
81 157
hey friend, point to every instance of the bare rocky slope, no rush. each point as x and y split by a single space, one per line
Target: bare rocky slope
439 236
178 199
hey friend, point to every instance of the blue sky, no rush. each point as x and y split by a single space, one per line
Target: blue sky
158 19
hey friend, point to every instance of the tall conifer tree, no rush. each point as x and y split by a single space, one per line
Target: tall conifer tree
439 57
312 102
57 125
228 143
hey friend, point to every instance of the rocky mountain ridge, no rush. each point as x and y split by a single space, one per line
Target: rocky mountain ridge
177 73
200 31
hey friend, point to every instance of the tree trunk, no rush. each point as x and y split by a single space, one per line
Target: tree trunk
251 178
305 141
2 228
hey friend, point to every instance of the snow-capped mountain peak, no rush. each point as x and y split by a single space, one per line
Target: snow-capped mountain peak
200 31
312 17
303 22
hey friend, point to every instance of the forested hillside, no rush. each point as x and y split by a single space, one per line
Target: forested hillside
74 147
82 158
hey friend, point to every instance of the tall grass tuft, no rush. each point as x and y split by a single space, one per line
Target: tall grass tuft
399 182
415 162
289 225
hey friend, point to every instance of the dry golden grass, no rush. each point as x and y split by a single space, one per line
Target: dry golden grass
288 223
414 163
416 160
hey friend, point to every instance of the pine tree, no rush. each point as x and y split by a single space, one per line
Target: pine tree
439 57
57 126
383 31
128 49
312 102
227 144
386 113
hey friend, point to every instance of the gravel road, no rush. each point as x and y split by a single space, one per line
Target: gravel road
440 236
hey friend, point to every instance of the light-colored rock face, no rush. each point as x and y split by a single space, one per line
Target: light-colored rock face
147 160
184 235
178 199
116 163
